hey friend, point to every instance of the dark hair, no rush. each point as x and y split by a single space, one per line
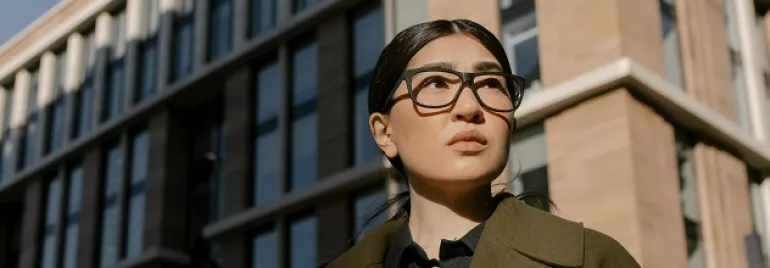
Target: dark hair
392 63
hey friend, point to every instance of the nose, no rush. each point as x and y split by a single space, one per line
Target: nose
467 108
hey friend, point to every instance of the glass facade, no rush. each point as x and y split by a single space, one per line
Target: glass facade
148 51
264 250
368 41
82 116
28 140
51 223
267 141
114 92
6 142
303 235
520 39
112 179
528 163
304 117
365 203
136 194
217 187
55 125
183 39
74 201
671 51
300 5
262 16
736 66
689 198
220 28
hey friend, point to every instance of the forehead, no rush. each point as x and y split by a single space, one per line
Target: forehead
445 49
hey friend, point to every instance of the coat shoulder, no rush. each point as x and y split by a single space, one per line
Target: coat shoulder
602 250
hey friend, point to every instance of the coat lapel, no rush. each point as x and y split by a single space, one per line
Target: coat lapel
518 235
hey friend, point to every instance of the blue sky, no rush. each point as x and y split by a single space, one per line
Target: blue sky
17 14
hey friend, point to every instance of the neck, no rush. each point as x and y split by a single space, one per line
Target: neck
433 208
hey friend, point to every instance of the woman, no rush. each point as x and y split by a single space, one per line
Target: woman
441 106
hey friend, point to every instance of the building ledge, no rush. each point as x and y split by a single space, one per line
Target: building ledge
155 256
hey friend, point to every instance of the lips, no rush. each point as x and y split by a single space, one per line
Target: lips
468 141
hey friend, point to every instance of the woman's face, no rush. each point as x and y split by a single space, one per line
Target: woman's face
464 142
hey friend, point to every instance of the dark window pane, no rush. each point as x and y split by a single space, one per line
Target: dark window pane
528 59
136 205
368 40
262 17
268 99
183 40
263 252
221 28
75 193
304 127
216 174
113 178
83 110
51 226
366 203
302 243
114 92
300 5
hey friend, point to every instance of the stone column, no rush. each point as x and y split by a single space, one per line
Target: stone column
334 134
722 181
72 82
611 159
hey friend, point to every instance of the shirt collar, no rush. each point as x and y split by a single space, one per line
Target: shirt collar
402 240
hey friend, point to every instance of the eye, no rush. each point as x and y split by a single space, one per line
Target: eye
434 82
491 83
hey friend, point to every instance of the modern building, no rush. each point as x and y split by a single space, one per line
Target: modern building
181 133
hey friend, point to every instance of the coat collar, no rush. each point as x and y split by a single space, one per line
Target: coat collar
513 227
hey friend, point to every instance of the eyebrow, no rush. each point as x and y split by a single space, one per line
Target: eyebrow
484 66
487 66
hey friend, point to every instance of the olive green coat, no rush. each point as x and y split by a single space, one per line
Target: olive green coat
516 235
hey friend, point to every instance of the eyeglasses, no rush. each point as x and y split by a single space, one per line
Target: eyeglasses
437 87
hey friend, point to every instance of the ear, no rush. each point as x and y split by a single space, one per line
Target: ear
379 125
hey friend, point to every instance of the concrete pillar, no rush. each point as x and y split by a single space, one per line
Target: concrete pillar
240 23
19 115
103 56
45 96
135 17
31 223
88 219
334 133
165 42
201 35
237 165
72 82
722 180
607 160
166 181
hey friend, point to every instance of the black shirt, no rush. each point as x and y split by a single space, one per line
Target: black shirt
403 252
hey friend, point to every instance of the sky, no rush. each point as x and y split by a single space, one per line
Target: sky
15 15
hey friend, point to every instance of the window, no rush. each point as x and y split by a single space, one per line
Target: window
302 242
113 177
671 52
520 39
300 5
148 51
220 28
83 110
115 88
530 162
739 83
304 118
365 203
51 223
267 140
264 253
136 194
184 21
368 40
6 143
28 139
262 17
689 200
55 124
74 199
